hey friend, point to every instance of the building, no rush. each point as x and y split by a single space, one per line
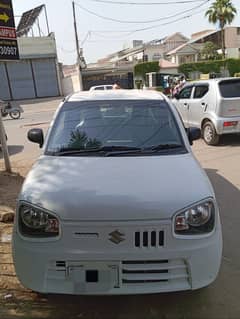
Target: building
191 51
119 66
158 49
35 75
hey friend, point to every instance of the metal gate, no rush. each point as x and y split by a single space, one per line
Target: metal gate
28 79
21 80
45 76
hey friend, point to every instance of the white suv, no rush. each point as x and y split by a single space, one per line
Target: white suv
117 203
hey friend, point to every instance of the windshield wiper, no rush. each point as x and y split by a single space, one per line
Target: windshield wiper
165 147
114 150
105 150
145 150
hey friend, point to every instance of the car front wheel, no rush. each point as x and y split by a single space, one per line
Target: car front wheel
209 134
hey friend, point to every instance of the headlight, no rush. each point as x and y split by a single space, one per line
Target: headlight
196 220
34 222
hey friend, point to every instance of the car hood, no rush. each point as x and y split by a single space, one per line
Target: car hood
116 188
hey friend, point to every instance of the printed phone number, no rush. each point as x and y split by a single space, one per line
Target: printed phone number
8 50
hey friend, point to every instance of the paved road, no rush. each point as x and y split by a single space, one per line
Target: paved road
37 113
220 300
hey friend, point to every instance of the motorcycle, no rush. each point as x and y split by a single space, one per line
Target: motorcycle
13 111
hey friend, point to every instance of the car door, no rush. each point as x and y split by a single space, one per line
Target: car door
198 104
182 103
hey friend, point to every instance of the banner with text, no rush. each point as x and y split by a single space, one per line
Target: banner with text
8 37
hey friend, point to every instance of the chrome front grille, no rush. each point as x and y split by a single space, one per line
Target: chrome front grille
160 271
149 239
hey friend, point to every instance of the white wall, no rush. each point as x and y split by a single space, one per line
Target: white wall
34 47
150 51
70 85
169 71
233 53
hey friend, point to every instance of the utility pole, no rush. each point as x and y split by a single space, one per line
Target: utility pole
4 144
78 48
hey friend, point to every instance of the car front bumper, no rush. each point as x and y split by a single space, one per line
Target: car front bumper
91 264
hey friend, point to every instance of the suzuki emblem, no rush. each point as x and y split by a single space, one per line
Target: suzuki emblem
116 237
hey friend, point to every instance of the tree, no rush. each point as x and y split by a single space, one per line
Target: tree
209 51
222 12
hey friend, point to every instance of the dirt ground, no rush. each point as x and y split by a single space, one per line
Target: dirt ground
11 291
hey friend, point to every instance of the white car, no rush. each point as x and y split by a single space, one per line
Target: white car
116 203
212 105
102 87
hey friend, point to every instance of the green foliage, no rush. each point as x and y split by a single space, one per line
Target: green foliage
209 51
203 67
222 12
141 69
233 66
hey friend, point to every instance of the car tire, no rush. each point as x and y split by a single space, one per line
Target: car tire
209 134
15 115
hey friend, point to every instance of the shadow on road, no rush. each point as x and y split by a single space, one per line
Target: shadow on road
230 140
12 150
9 119
219 300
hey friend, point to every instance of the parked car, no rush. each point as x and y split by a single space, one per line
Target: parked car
212 105
116 203
102 87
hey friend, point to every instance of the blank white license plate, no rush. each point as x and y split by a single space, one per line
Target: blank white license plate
94 277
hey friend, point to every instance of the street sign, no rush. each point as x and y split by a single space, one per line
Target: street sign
8 37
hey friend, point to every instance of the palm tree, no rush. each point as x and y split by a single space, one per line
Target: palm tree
222 12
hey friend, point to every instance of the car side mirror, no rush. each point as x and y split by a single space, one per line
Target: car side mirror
35 135
193 134
177 96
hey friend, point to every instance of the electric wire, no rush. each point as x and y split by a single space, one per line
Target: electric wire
146 3
131 32
142 29
144 21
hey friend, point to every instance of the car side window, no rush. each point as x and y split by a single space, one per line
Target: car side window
200 91
99 88
185 93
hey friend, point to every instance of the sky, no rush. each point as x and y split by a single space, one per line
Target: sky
99 37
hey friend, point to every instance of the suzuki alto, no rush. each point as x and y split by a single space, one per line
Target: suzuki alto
117 202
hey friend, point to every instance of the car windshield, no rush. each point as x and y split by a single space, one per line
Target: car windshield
116 125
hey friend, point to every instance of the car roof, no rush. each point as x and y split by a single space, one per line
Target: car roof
116 95
216 80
